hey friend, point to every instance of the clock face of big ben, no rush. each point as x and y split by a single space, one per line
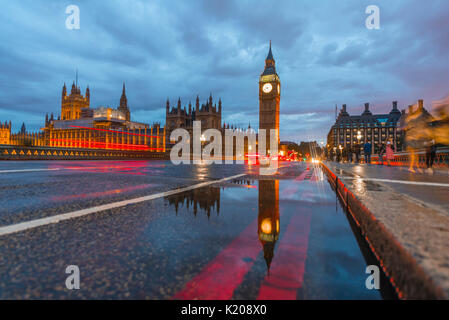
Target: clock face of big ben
267 87
279 88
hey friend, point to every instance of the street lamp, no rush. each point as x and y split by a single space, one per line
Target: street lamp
359 136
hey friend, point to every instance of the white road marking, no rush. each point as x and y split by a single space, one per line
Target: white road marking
417 183
28 170
75 214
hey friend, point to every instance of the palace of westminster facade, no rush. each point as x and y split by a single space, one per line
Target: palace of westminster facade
80 126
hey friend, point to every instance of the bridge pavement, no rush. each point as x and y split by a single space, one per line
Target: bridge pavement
405 217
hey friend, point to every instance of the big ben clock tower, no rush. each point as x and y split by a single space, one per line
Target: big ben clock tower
269 98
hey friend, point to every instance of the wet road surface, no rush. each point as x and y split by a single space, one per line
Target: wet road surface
252 237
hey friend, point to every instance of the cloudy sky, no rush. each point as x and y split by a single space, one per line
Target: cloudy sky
324 55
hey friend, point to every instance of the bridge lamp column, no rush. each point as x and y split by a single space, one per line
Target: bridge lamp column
359 136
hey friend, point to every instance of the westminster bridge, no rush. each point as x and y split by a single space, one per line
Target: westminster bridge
140 227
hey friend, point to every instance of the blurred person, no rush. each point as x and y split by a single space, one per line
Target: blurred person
381 154
357 152
344 154
367 150
389 151
417 130
441 125
431 152
338 155
349 154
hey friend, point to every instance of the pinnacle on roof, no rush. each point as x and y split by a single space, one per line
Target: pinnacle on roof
270 54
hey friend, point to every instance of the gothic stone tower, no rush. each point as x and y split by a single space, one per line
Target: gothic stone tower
269 98
123 107
72 104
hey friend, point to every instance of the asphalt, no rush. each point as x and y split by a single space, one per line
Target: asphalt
203 243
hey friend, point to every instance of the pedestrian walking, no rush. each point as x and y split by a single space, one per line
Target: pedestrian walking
381 154
357 152
431 152
389 152
367 151
349 154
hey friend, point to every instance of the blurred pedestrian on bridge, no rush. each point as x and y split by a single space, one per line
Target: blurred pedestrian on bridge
417 130
357 152
349 154
339 154
381 154
367 151
389 152
431 152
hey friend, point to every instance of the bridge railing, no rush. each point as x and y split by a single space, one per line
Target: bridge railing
403 158
11 152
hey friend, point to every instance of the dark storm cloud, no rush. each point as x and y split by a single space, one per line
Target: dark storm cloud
324 54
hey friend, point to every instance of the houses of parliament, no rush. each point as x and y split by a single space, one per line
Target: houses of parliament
80 126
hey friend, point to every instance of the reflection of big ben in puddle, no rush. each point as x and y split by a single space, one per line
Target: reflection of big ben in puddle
268 217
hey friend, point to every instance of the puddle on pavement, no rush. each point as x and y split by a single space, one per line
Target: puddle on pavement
276 239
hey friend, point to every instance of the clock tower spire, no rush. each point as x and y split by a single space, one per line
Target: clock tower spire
269 99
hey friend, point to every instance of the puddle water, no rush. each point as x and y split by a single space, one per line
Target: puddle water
274 239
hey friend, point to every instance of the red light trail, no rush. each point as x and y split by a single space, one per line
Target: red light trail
116 131
106 146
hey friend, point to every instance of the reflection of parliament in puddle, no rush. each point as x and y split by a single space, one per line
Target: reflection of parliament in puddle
208 200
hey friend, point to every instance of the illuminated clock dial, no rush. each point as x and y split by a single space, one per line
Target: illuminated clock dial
279 88
267 87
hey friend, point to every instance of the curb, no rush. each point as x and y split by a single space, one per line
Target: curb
404 273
